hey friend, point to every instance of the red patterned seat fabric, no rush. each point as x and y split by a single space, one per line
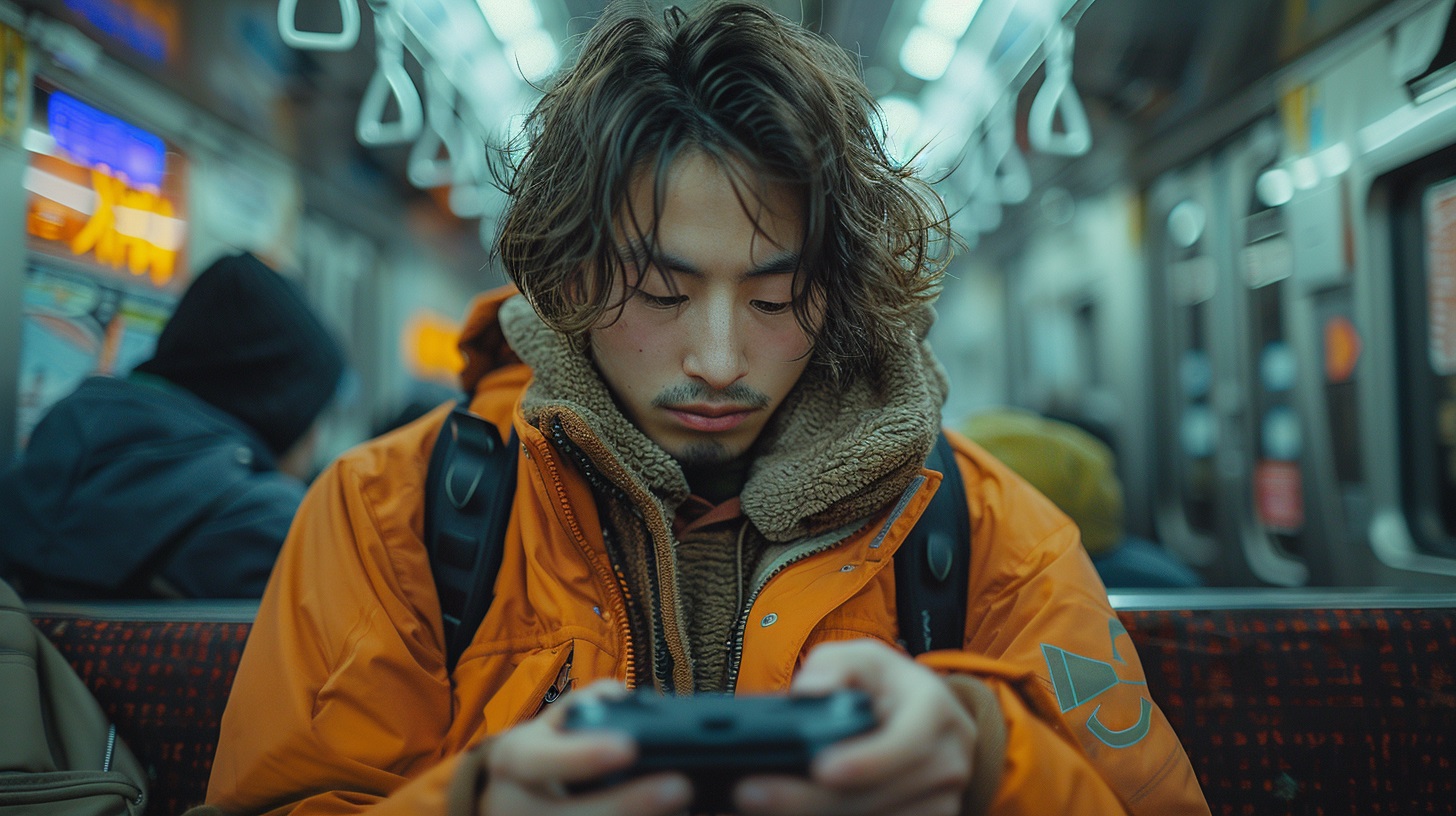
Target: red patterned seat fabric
164 684
1283 711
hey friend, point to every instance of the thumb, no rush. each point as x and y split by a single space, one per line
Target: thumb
846 664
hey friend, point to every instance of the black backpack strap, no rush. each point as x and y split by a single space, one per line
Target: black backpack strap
932 566
468 493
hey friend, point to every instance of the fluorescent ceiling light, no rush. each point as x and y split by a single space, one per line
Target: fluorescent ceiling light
902 122
534 53
1305 172
949 17
926 53
510 19
1275 187
1334 160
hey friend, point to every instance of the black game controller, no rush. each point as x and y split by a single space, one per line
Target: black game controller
718 739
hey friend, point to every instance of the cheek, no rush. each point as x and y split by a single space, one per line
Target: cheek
632 357
628 338
785 343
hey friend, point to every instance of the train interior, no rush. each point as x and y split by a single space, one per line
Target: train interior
1221 236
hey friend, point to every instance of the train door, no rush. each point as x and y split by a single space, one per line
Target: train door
1194 382
1414 525
1269 494
1402 181
1313 179
1424 213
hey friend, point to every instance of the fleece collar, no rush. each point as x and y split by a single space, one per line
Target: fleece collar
829 455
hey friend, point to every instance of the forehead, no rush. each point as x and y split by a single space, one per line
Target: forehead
703 202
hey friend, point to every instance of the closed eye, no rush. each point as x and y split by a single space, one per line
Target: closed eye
662 301
771 307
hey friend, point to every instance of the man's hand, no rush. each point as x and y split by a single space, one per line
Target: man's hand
530 766
917 761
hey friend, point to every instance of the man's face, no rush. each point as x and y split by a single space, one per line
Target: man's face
701 372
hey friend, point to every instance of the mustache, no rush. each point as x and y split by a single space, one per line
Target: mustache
689 393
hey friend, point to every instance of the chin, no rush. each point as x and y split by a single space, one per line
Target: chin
700 452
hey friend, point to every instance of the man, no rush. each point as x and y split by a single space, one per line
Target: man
717 376
181 479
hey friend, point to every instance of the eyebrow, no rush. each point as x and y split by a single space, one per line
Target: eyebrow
781 264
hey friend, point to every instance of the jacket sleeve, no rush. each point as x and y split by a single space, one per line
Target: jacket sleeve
1082 731
232 553
341 702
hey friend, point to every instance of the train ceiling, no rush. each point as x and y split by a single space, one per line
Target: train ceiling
1004 95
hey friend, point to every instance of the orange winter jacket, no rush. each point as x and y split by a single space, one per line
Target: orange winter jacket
342 703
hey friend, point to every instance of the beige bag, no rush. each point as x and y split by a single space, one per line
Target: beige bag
58 752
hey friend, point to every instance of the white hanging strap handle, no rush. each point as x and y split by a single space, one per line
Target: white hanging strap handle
390 80
426 167
468 194
982 207
1008 167
1058 95
343 40
985 201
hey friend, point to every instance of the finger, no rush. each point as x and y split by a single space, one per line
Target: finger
776 795
649 796
924 722
844 664
657 795
540 756
927 784
947 803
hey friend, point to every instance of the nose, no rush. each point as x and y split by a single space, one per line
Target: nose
715 352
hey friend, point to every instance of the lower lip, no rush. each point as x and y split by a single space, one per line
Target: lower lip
710 424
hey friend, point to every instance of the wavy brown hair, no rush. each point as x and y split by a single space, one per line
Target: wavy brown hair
772 102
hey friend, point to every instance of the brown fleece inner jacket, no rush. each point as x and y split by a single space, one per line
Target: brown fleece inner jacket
832 456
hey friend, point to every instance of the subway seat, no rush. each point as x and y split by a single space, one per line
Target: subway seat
1288 702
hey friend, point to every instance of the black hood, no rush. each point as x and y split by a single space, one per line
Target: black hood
244 340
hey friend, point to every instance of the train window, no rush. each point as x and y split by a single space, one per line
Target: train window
1425 214
1439 407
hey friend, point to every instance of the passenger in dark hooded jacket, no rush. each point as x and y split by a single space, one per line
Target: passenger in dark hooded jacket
168 483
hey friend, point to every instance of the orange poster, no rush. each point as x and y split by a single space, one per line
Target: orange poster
105 193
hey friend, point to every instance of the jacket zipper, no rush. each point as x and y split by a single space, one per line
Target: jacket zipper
665 659
110 747
619 605
563 681
739 633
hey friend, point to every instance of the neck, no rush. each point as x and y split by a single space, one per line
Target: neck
718 481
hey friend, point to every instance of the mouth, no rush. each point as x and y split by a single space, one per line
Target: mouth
710 418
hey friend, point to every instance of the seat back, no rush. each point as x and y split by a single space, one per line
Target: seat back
162 672
1306 702
1287 702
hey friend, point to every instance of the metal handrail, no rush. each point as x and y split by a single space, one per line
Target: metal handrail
1241 598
